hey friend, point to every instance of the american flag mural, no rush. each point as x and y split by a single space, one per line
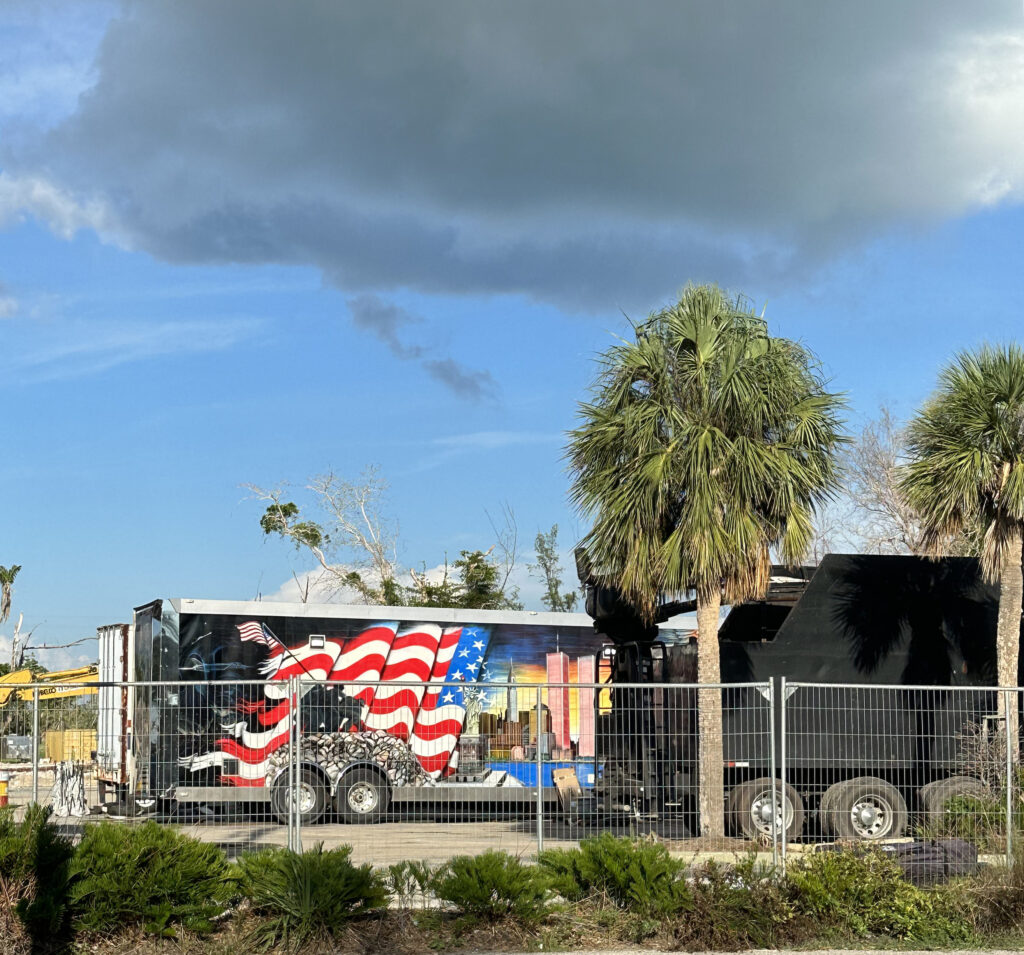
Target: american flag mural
396 675
442 711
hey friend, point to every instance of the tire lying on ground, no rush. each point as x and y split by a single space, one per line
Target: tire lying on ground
750 809
865 809
932 798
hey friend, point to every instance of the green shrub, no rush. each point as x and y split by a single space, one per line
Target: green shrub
980 820
993 898
737 907
409 883
304 897
492 886
35 876
147 875
865 893
639 877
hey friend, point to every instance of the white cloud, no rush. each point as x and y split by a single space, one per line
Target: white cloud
82 348
490 440
22 197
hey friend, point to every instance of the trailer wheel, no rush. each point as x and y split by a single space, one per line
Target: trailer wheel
753 814
865 809
310 796
933 798
363 796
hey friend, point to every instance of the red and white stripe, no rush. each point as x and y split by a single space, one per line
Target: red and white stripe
435 733
412 657
252 632
362 660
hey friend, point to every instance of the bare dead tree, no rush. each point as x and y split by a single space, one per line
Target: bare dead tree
506 543
881 520
353 542
871 515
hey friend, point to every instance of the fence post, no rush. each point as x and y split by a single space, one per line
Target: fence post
782 767
35 744
298 763
540 770
774 768
291 764
1009 699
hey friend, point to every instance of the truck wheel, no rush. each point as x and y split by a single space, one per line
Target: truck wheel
363 796
310 797
933 798
752 813
865 809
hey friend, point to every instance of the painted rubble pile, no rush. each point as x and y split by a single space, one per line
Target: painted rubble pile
334 751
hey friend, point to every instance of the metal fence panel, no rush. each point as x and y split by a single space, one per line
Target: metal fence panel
439 767
883 764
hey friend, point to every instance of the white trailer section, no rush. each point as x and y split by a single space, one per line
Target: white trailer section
114 758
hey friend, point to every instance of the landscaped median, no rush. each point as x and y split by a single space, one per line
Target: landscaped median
131 888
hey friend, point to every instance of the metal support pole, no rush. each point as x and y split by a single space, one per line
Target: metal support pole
292 780
35 744
540 771
1009 699
775 785
298 763
782 766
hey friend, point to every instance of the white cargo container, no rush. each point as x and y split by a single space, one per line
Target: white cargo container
114 759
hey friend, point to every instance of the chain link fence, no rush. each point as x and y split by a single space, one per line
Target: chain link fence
427 770
403 770
881 764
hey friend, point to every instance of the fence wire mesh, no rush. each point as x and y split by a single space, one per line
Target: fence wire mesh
884 764
437 767
429 769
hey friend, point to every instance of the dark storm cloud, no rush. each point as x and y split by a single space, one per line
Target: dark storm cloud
384 320
588 153
387 322
466 383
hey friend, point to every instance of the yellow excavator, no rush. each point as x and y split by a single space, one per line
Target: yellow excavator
80 681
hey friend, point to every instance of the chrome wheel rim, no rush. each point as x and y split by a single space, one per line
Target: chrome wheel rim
767 814
871 816
362 797
303 798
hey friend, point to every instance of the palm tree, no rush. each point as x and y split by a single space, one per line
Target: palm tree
707 444
966 449
7 575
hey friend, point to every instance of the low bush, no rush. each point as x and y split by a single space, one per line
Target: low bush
34 878
300 898
639 877
737 907
493 886
149 876
980 820
409 883
862 894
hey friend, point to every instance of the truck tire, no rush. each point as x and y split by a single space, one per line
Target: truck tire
865 809
933 798
363 796
311 792
750 809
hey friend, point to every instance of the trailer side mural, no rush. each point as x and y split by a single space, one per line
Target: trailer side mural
428 684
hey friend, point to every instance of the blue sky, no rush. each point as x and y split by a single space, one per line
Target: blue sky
250 242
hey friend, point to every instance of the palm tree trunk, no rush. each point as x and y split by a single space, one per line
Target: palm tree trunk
1011 599
711 759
